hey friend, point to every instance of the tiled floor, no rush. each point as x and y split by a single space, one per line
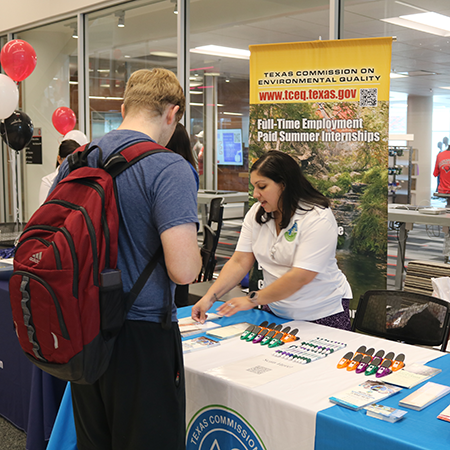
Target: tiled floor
10 437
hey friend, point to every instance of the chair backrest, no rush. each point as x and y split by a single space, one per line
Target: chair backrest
404 316
215 217
211 234
419 274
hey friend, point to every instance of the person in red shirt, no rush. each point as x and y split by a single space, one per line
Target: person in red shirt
442 170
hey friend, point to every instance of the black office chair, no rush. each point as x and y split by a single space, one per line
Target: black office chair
404 316
211 234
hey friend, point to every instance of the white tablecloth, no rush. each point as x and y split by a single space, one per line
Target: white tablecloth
281 413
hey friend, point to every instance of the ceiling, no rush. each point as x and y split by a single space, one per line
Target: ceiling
152 26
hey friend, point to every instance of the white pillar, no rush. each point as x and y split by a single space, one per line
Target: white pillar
419 123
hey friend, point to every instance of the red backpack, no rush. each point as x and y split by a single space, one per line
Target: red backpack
66 292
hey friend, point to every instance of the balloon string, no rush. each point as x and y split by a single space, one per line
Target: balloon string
16 176
17 228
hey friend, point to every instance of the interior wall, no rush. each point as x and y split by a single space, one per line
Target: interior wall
32 11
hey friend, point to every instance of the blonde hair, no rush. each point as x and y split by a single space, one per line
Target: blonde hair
153 90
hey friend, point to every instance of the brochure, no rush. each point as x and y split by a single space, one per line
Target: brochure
364 394
199 343
386 413
189 326
424 396
445 415
229 331
411 376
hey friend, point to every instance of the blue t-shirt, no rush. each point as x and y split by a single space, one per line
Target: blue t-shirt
155 194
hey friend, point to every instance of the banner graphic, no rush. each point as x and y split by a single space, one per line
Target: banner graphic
326 103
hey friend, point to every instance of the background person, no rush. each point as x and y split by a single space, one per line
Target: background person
139 403
65 149
292 233
442 171
181 144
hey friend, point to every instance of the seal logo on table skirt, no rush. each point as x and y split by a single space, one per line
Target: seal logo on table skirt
217 427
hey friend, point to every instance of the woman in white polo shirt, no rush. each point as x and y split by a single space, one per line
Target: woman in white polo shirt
292 233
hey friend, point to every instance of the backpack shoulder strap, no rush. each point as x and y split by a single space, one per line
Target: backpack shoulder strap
78 158
115 165
130 155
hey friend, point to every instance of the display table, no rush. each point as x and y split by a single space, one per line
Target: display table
418 430
407 218
29 398
280 414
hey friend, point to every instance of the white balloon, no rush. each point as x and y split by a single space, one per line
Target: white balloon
77 136
9 96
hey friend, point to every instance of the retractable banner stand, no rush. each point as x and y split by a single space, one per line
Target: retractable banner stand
326 103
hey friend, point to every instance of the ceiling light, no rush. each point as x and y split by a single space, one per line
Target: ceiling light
96 97
217 50
121 18
429 22
74 27
232 114
444 87
397 75
164 54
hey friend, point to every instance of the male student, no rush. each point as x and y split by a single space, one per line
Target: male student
139 403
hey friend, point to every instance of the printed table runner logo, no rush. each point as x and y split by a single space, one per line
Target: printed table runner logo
217 427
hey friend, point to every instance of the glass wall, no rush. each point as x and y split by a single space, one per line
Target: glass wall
419 71
220 34
143 34
121 40
52 84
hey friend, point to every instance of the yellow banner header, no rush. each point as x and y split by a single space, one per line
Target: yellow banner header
321 71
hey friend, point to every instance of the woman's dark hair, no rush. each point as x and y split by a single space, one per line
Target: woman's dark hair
283 169
181 144
66 148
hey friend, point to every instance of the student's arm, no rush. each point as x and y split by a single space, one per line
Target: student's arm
231 274
181 253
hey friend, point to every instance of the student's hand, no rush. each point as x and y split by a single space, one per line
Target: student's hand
234 305
199 310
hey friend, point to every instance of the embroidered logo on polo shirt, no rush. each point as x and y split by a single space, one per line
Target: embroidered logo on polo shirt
291 233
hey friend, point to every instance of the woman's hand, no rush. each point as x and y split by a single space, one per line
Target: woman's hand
199 310
234 305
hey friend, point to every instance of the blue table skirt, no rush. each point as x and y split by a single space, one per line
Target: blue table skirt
340 428
63 436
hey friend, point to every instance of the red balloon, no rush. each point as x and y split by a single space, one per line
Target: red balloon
64 119
18 59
